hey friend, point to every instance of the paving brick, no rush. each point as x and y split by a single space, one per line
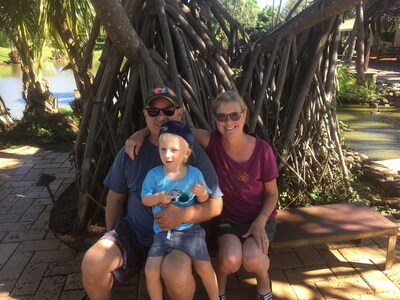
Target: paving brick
9 218
73 295
64 267
309 274
30 279
23 170
33 174
338 264
19 226
377 279
6 250
50 288
309 256
15 265
284 260
18 183
42 222
33 212
363 253
54 255
19 236
20 206
5 287
344 289
38 245
281 288
74 282
307 291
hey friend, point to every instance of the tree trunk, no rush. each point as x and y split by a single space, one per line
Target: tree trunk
283 79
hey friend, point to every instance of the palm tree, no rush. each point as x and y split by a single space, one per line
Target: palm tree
30 24
23 22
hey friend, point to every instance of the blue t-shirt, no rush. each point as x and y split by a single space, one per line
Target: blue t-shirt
126 176
156 182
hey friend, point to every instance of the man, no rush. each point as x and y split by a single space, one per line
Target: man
119 254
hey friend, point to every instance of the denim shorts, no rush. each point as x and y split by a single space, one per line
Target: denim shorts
191 241
133 254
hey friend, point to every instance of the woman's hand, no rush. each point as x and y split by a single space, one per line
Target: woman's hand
135 141
257 230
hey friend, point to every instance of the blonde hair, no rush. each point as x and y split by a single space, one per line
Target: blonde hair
229 96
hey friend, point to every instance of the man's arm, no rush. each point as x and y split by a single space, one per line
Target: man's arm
114 208
173 215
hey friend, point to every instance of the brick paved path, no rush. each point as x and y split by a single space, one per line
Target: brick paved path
35 265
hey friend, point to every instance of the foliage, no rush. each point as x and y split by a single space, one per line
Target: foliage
350 92
54 131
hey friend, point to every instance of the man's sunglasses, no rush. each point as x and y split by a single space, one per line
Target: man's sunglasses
235 116
167 111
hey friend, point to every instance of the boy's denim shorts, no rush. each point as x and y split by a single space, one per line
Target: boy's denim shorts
133 254
191 241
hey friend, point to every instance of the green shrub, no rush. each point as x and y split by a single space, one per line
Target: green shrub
350 92
53 131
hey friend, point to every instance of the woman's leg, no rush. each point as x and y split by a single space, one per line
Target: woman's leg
229 258
206 272
153 279
255 261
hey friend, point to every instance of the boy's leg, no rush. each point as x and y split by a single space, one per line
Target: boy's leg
153 280
206 272
176 270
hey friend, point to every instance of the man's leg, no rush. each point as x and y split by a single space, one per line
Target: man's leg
176 270
98 263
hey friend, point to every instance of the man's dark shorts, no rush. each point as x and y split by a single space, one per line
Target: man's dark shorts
133 254
222 226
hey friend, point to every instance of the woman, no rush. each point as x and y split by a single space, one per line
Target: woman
247 172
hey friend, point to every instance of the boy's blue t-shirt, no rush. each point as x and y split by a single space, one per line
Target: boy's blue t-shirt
126 176
156 182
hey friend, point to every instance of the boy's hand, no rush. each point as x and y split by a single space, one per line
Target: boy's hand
164 198
199 189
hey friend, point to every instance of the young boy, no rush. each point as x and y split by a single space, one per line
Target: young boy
176 183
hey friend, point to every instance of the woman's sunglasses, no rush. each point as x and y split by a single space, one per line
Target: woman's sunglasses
167 111
235 116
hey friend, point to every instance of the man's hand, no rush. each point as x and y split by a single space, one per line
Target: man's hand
170 218
135 141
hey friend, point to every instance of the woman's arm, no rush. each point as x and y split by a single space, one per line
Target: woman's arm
257 228
201 137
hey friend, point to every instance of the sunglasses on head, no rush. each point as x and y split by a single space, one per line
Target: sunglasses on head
235 116
167 111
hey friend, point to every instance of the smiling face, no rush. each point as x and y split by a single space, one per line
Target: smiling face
174 150
229 126
154 123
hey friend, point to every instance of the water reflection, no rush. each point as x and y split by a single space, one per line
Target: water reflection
61 82
375 134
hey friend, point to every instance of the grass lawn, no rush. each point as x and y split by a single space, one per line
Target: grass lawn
4 54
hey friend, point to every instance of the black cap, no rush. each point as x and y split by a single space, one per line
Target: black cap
162 92
175 127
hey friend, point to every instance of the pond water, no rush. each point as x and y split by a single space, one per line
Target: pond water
374 134
62 85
